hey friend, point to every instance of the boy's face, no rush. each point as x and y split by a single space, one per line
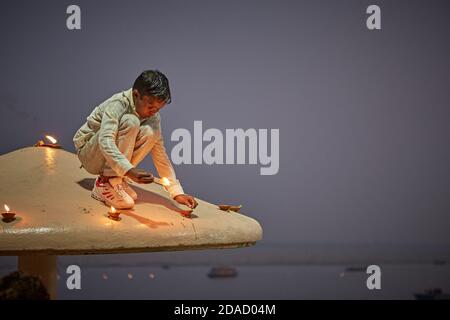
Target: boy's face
147 106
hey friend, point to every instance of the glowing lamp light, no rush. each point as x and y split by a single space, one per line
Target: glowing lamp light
8 216
165 182
51 139
113 214
52 143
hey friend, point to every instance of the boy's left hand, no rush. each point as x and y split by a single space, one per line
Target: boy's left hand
186 200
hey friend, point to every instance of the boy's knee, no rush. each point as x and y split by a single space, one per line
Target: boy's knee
146 132
129 121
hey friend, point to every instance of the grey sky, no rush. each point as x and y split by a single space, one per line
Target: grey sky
363 115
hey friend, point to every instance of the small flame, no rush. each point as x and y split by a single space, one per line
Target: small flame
113 210
165 182
6 208
51 139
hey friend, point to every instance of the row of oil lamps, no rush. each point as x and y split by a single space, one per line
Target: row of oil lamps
113 213
9 216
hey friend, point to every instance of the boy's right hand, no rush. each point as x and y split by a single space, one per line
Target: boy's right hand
140 176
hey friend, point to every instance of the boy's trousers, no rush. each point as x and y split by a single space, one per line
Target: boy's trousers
134 140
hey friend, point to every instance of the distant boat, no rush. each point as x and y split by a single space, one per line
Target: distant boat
432 294
223 272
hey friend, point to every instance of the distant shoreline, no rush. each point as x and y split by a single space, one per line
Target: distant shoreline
270 255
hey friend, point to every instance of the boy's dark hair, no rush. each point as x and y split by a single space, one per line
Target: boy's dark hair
153 83
19 286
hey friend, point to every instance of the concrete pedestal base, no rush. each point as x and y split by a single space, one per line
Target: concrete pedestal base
42 266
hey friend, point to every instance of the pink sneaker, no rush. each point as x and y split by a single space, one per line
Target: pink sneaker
112 194
128 189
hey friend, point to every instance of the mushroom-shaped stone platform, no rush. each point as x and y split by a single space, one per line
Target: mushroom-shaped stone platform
55 215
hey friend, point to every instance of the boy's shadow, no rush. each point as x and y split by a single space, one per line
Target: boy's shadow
144 196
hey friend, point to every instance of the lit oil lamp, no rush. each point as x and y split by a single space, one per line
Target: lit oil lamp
8 216
53 143
163 181
114 214
166 183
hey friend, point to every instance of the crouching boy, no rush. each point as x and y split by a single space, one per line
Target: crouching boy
117 136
